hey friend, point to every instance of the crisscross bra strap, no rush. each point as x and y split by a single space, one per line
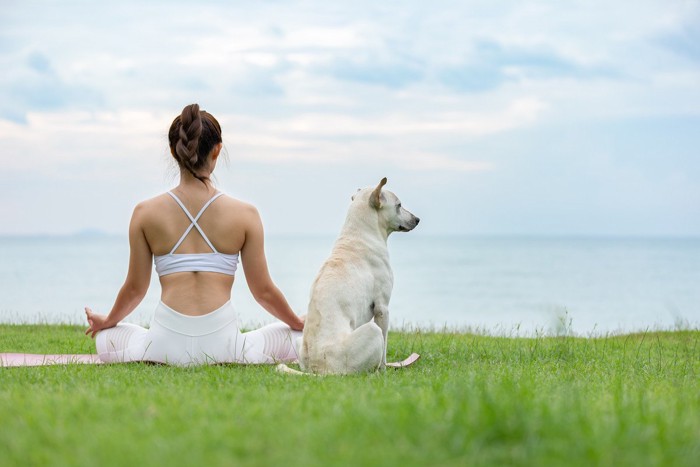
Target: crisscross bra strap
194 221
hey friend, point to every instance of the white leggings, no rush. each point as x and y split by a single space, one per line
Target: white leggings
178 339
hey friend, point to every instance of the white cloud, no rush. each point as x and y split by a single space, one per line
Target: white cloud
51 141
421 162
519 113
338 88
322 138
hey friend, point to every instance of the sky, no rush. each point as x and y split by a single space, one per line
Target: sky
488 118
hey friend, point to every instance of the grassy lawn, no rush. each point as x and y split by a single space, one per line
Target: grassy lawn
470 400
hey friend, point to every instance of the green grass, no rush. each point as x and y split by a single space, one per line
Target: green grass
470 400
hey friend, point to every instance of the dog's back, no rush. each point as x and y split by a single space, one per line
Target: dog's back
341 300
347 320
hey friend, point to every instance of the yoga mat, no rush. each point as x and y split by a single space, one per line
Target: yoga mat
29 359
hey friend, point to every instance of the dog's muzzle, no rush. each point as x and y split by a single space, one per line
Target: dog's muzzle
403 228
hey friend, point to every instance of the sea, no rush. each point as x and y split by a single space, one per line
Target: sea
512 286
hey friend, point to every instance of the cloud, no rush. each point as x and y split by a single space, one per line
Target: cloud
56 143
491 64
685 41
427 141
519 112
388 68
40 63
341 89
473 78
258 82
390 75
421 162
36 86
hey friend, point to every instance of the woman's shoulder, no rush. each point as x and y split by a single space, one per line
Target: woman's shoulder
155 203
238 204
150 209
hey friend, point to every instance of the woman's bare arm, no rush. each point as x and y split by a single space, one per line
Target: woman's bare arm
258 277
137 280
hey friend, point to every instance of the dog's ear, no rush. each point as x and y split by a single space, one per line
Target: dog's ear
375 199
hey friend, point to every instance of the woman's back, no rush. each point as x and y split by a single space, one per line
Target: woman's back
224 223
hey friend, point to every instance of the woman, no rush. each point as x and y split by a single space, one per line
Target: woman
196 236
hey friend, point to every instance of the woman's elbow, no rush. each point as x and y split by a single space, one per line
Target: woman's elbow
264 294
136 290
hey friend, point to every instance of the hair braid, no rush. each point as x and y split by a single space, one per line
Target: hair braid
188 142
193 134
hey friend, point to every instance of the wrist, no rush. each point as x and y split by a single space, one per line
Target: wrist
110 322
297 324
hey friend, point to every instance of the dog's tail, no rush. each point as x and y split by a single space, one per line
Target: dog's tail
282 368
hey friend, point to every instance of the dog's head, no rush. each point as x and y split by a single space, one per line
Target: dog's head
392 216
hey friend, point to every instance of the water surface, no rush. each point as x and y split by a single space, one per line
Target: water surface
495 284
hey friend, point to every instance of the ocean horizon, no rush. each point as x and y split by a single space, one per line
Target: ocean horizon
492 284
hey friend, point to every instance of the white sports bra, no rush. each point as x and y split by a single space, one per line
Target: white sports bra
190 262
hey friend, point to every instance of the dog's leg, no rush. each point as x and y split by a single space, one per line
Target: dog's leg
381 317
301 353
359 351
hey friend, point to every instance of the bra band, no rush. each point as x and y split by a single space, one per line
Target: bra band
190 262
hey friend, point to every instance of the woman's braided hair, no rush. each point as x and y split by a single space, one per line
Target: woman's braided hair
193 134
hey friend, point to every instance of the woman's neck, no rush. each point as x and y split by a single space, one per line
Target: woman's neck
189 184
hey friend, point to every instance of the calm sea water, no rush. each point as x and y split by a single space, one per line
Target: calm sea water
496 285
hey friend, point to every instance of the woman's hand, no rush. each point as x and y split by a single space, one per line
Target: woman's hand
299 326
97 322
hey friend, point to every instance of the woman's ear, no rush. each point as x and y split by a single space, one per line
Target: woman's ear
216 151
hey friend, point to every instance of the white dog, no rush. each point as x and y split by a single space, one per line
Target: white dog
348 317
